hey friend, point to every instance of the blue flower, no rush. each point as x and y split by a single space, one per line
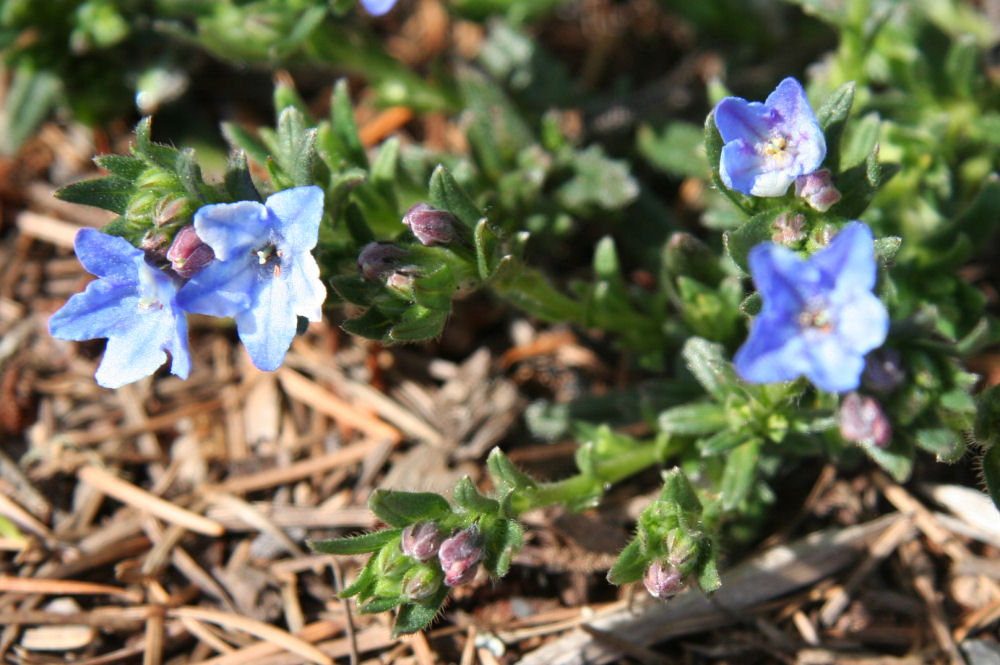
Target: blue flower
264 274
819 316
378 7
768 145
132 304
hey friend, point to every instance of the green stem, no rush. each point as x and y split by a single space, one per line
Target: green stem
605 472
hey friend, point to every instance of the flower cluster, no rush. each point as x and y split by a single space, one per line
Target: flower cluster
819 316
246 260
378 7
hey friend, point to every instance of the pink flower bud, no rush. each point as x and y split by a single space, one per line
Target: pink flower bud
460 555
863 421
188 254
662 580
788 229
817 189
378 259
430 225
421 540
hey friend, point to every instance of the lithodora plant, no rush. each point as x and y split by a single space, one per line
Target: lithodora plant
842 354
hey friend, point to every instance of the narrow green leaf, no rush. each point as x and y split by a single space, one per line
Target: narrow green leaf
740 473
368 542
243 140
373 324
710 368
363 586
417 616
345 140
756 230
397 508
123 166
418 324
630 565
239 183
503 539
832 116
110 192
505 474
467 496
380 604
678 491
435 289
447 194
693 419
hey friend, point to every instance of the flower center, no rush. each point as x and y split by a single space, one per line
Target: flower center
149 303
270 255
816 316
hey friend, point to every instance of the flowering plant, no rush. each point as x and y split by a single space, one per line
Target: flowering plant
842 281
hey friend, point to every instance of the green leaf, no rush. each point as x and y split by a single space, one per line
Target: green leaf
380 604
467 496
110 192
418 323
943 442
355 289
678 491
447 194
123 166
860 183
707 572
721 442
711 369
991 473
859 141
417 616
886 249
31 96
368 542
385 168
159 155
243 140
373 324
503 539
987 424
759 228
832 117
505 474
344 140
693 419
239 182
739 474
630 566
677 150
487 243
435 289
364 585
896 458
397 508
599 182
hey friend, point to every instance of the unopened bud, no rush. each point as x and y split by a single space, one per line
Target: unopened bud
392 564
421 540
883 370
789 229
430 225
460 555
817 189
154 241
662 580
422 581
188 254
863 421
378 259
681 547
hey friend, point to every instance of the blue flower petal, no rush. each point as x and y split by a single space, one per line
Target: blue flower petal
773 352
785 281
848 261
834 366
863 323
737 118
222 288
310 293
378 7
129 358
232 228
106 256
267 328
298 213
96 312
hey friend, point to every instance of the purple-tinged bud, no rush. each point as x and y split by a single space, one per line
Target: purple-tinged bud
422 581
460 555
378 259
430 225
662 580
421 540
883 370
154 242
166 210
401 282
188 254
817 189
788 229
863 421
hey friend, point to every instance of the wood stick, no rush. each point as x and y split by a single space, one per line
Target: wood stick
142 500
